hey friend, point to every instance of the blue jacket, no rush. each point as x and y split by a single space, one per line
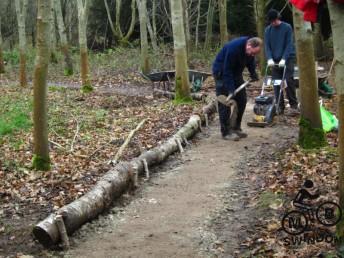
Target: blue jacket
279 43
230 63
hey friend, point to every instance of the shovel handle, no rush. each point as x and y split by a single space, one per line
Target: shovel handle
238 89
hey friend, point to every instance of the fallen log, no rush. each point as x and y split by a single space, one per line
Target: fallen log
171 95
112 185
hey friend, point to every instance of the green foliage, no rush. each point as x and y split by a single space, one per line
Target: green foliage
53 58
68 72
241 17
11 57
87 88
309 137
57 88
41 163
14 114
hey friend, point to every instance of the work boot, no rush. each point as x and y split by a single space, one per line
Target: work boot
240 133
231 137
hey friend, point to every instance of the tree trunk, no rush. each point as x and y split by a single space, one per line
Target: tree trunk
113 29
260 13
154 18
187 27
53 57
2 65
311 134
21 8
68 70
223 21
119 34
41 160
337 20
318 41
152 34
180 55
197 22
82 16
142 5
210 20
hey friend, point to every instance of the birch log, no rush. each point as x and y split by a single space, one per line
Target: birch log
112 185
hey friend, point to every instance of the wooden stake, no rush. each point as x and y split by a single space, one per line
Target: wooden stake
179 145
145 164
62 230
200 126
185 141
206 118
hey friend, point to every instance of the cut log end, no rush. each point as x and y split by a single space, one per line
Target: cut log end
43 236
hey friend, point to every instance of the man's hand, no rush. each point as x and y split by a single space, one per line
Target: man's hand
281 63
271 62
226 100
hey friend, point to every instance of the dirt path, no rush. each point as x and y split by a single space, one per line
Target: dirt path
168 216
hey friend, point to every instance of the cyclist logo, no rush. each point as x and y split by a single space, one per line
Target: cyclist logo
295 222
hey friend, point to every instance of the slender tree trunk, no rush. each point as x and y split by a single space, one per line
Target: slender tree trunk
187 26
82 16
180 55
337 20
152 34
132 22
210 20
2 65
68 70
41 160
113 29
21 8
260 12
154 18
223 21
119 33
142 5
197 22
318 41
53 57
118 18
311 134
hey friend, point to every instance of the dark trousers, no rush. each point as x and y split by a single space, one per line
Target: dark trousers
225 112
277 73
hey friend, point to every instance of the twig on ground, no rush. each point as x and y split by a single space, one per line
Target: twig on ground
75 135
57 144
124 145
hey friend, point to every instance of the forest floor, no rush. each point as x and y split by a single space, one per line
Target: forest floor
220 199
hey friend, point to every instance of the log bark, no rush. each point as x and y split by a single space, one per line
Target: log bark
112 185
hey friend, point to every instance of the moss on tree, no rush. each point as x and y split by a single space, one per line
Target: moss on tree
86 88
41 163
309 137
180 95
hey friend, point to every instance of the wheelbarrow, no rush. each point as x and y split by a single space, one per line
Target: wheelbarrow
166 78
